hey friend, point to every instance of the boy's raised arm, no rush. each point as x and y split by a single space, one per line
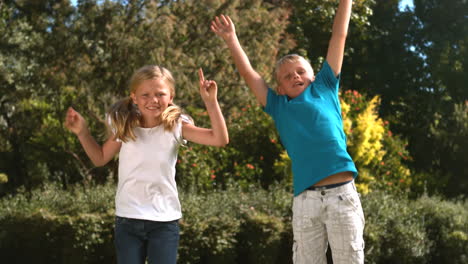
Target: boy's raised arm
224 27
339 32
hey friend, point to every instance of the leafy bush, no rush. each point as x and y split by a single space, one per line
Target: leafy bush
394 232
236 225
426 230
249 158
56 226
446 225
380 156
218 225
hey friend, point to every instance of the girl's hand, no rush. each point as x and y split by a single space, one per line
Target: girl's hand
223 27
75 122
208 88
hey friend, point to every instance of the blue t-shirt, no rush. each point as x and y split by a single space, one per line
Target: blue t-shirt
311 129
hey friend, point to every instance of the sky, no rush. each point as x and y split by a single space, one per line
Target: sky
404 3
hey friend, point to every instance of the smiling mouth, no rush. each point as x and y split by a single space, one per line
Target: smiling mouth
153 108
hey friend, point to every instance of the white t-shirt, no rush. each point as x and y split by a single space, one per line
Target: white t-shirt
147 188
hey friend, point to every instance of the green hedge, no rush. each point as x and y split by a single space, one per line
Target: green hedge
233 226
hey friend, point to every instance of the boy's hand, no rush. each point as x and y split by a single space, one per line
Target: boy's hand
208 88
75 122
223 27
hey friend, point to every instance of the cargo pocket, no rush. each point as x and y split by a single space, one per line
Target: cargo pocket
294 249
357 252
357 245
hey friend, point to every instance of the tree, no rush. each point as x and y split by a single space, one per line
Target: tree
54 55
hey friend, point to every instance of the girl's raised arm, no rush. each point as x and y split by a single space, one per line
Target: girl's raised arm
98 154
218 134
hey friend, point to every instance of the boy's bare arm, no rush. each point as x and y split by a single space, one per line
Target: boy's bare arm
339 32
224 27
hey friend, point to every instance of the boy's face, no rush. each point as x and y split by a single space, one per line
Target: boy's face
294 77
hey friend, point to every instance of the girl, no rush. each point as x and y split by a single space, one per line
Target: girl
147 129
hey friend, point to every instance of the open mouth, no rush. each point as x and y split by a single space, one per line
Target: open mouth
153 108
298 84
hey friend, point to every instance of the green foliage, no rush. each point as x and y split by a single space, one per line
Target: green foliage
311 24
237 225
57 226
450 132
394 232
426 230
249 157
263 238
76 226
380 156
54 55
446 225
3 178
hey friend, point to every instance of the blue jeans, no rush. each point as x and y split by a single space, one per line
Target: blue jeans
136 239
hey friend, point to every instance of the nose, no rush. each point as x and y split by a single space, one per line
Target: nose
296 75
155 99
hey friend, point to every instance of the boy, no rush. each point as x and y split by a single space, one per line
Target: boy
307 115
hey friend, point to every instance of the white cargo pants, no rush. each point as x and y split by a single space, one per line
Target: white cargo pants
332 216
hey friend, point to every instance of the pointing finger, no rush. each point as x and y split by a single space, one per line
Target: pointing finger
200 75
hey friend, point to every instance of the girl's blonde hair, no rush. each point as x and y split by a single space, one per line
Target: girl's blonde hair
124 115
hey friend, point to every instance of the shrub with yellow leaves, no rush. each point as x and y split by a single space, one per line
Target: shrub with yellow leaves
379 155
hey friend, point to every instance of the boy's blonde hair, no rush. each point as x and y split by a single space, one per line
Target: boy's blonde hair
124 115
290 58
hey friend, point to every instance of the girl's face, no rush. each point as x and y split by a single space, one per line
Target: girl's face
294 77
152 97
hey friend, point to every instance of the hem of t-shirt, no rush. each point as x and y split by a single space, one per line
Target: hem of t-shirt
150 218
355 174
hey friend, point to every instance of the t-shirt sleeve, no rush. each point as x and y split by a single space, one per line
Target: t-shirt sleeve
271 103
178 131
112 128
328 77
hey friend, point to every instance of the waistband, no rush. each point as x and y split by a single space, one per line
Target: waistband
326 187
332 188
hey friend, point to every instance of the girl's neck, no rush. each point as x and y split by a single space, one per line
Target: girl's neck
150 123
